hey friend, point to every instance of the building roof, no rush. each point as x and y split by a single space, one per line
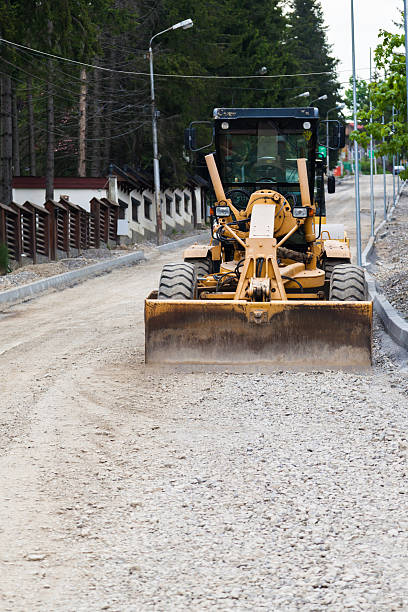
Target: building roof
197 181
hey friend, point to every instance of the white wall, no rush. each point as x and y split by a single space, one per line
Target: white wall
81 197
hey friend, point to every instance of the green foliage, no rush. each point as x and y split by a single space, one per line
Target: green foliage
362 95
229 38
310 52
234 38
4 259
386 92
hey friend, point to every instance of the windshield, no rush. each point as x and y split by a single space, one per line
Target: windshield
266 153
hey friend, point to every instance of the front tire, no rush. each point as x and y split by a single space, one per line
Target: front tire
178 282
347 283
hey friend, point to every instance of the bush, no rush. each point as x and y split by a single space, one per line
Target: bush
365 166
4 259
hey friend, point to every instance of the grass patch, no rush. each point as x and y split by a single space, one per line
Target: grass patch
4 259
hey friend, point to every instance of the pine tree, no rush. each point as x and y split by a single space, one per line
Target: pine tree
229 38
307 43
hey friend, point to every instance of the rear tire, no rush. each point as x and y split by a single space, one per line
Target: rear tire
202 265
331 263
347 283
178 282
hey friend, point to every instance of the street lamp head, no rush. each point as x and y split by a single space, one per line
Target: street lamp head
305 94
340 106
187 23
323 97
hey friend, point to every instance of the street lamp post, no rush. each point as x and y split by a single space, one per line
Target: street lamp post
372 212
356 164
406 47
187 23
338 107
393 158
384 177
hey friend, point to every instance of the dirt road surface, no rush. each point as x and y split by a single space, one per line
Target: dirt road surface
341 206
125 488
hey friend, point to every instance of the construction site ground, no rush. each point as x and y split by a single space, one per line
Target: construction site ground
389 265
129 488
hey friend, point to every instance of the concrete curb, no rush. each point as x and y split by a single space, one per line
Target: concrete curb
394 324
173 246
68 278
368 250
371 243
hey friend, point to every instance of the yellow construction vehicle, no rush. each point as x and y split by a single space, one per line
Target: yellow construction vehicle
274 286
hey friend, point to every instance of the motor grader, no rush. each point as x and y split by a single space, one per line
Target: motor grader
275 285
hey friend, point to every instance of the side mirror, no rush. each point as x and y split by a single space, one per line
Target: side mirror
201 133
342 136
335 136
331 184
190 138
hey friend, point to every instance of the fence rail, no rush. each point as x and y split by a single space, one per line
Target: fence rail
57 229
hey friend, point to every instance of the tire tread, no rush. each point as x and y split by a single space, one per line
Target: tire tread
177 282
202 265
347 283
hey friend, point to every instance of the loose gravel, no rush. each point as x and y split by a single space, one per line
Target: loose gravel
33 272
390 267
129 488
256 492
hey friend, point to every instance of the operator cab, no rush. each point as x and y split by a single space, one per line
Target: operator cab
259 148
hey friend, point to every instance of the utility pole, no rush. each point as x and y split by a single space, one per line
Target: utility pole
356 164
393 160
384 177
156 165
398 174
187 23
372 212
327 145
406 49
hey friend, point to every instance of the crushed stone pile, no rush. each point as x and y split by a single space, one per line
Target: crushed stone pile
390 267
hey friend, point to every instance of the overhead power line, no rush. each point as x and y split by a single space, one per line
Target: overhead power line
180 76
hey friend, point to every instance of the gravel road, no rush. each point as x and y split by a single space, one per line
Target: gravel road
127 488
341 206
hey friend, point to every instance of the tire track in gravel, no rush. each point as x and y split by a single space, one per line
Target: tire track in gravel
136 488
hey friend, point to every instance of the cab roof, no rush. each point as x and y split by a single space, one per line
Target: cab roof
266 113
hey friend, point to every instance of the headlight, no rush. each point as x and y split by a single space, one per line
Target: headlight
222 211
300 212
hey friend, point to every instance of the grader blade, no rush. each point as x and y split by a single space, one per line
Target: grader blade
296 334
